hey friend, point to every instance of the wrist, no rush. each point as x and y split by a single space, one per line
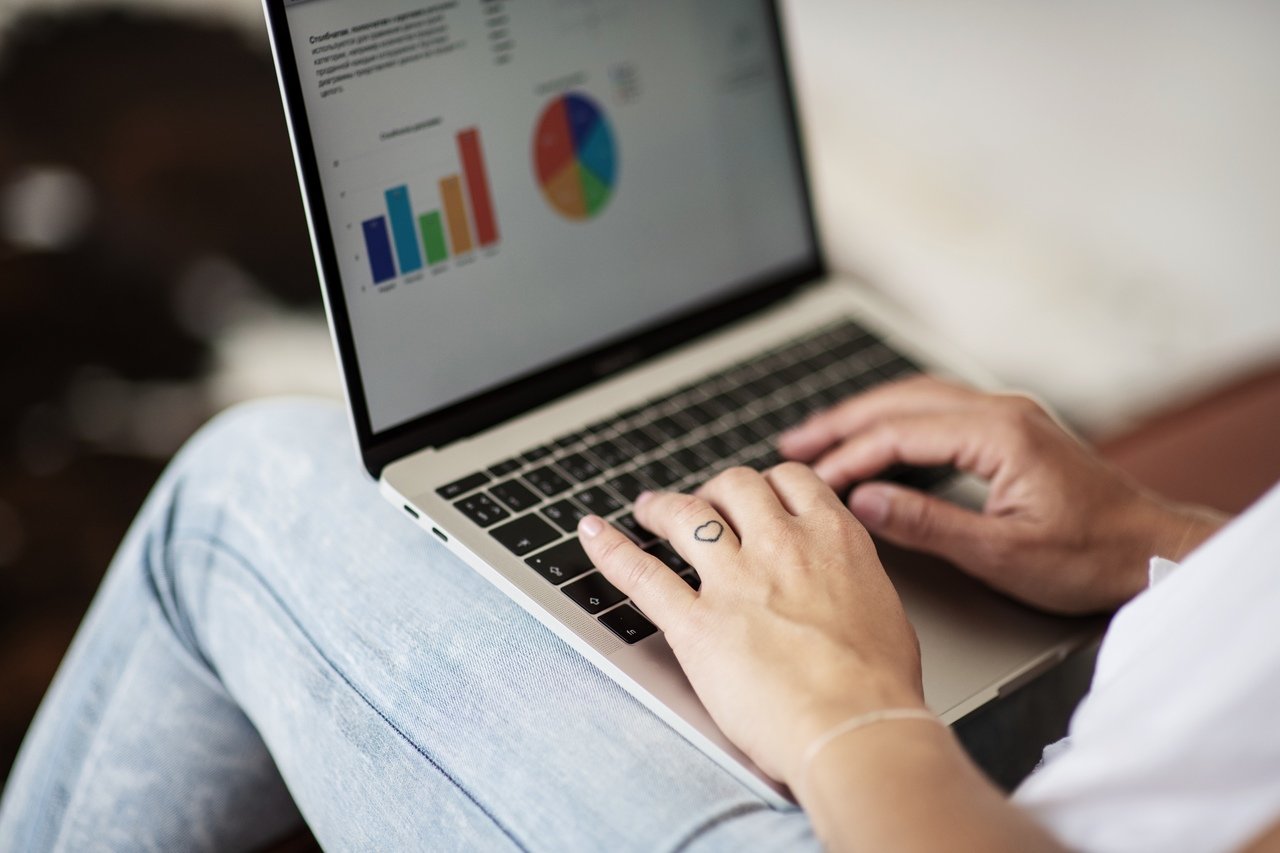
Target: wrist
1178 529
877 692
873 767
1153 527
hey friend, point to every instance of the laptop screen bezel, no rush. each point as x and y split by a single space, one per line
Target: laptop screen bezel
545 384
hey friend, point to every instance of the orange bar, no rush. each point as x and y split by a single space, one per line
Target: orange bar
455 212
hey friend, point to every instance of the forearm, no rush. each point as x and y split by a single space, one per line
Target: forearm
906 786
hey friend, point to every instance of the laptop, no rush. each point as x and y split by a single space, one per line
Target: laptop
568 253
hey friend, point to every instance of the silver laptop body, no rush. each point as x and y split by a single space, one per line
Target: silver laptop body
555 239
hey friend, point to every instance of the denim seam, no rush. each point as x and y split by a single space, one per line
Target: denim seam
715 821
216 544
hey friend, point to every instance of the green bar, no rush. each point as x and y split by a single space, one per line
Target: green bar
433 237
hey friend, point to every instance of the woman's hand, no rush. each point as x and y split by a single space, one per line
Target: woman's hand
1061 529
796 627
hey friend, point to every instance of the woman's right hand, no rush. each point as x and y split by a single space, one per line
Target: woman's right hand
1061 529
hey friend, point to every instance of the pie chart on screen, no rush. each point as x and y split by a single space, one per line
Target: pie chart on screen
574 156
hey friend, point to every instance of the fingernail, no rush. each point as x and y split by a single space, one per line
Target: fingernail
643 498
871 506
591 525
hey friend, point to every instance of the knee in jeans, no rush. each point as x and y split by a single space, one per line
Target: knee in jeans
254 436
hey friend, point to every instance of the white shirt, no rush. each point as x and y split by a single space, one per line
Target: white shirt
1177 745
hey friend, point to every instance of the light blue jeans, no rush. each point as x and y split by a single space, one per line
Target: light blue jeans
274 643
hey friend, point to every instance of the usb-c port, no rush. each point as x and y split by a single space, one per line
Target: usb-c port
437 532
410 510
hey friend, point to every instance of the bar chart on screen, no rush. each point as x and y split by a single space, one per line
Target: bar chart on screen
456 219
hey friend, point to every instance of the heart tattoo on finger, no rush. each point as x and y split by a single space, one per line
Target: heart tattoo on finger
709 531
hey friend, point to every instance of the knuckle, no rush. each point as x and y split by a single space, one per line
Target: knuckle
792 469
1001 552
887 433
636 571
836 515
612 552
1021 409
687 508
915 515
736 475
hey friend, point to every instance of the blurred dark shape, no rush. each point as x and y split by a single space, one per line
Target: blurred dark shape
175 126
147 202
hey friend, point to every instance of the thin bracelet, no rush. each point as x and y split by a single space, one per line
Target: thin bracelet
860 722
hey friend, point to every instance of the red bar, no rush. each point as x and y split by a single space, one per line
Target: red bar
478 186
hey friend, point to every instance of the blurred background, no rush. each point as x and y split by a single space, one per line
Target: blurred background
1084 197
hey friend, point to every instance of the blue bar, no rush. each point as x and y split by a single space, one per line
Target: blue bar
402 228
378 247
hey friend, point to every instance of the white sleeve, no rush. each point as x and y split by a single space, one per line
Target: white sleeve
1177 745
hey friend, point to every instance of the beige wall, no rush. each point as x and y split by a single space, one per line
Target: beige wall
1084 195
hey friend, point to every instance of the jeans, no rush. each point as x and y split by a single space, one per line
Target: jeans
274 642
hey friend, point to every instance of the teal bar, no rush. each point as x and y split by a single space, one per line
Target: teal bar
406 237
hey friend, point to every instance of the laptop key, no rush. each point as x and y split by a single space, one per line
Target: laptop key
527 533
547 481
770 458
481 509
598 500
515 495
691 578
609 453
578 467
699 413
564 514
668 427
629 525
561 563
571 439
628 624
755 430
627 485
536 454
720 404
829 396
716 447
897 368
686 420
736 438
640 440
689 460
668 555
593 593
458 488
660 473
502 469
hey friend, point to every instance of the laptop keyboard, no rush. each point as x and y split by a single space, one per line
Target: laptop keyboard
532 502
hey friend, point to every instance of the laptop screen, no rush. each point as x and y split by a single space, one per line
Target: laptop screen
508 184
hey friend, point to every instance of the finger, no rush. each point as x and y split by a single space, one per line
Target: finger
699 533
745 500
918 394
974 440
922 522
646 580
800 490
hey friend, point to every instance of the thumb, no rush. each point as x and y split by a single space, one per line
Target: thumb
921 522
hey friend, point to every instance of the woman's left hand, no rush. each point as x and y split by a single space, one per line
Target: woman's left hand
796 626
